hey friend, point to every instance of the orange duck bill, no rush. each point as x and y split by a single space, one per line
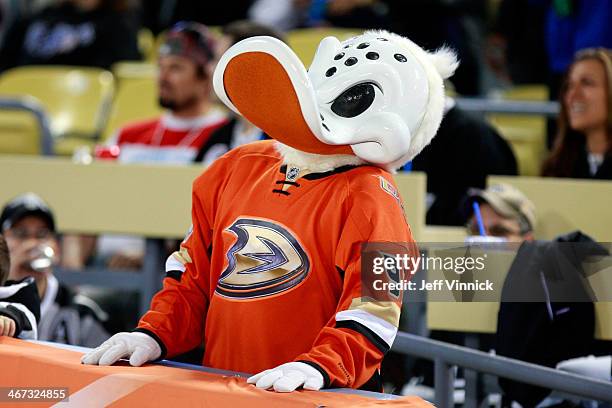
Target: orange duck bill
262 79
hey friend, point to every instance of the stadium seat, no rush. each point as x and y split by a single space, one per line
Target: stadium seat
305 41
565 205
130 70
159 39
525 133
136 99
20 131
146 43
76 99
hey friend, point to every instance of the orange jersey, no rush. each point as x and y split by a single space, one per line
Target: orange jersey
271 273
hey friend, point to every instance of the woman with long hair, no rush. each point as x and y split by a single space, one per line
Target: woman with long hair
583 145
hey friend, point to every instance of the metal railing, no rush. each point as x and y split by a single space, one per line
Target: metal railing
445 356
492 105
29 104
147 281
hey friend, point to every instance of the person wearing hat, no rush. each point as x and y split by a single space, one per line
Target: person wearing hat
185 64
506 213
186 61
28 226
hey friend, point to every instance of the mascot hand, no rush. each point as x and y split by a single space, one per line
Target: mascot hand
139 347
288 377
596 367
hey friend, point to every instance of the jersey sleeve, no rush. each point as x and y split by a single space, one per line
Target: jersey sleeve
25 323
177 315
20 302
349 349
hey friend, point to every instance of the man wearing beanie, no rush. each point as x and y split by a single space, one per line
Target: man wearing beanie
186 62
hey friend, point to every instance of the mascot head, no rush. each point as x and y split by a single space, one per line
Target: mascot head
376 98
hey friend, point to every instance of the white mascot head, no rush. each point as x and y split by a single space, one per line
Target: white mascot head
376 98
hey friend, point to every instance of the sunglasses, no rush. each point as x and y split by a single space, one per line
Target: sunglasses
495 230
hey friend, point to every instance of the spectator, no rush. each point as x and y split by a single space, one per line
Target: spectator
282 14
212 13
368 14
65 317
94 33
464 152
506 213
34 6
534 331
572 26
289 14
186 63
238 130
583 145
19 301
9 13
519 37
158 15
457 24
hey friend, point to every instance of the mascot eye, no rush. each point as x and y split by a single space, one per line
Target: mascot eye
354 101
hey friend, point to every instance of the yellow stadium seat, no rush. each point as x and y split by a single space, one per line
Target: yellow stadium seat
216 31
20 131
525 133
159 39
136 99
76 99
146 43
129 70
305 41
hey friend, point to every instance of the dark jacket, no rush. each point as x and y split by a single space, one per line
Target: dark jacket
63 35
222 141
73 319
461 156
20 302
221 137
547 313
581 168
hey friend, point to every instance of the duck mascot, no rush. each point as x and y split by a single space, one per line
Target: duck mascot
269 276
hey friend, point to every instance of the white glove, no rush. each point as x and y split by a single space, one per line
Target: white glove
139 347
591 366
287 377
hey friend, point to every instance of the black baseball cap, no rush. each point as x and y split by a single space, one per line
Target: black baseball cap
22 206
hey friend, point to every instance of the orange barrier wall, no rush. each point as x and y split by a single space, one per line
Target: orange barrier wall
24 364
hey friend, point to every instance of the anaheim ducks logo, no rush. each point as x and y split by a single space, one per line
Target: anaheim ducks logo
266 259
